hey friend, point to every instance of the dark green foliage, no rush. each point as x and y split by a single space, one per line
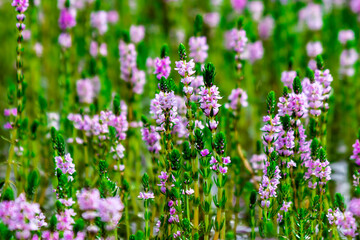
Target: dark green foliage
209 74
271 103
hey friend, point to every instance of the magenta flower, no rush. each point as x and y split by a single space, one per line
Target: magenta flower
204 152
238 5
20 5
162 67
356 152
67 19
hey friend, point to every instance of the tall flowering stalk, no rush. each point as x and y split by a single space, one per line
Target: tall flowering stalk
209 96
164 111
186 70
20 7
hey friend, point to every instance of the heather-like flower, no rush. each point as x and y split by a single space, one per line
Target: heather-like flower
146 195
346 35
348 59
152 139
65 219
110 211
253 51
204 152
88 89
270 130
164 104
344 221
355 6
269 184
162 67
137 33
356 152
311 15
256 9
65 40
324 77
20 5
209 100
354 206
88 199
238 5
112 16
258 161
266 27
212 19
314 95
129 71
285 143
38 48
198 49
186 70
99 21
236 40
237 99
95 49
66 165
21 216
67 18
314 48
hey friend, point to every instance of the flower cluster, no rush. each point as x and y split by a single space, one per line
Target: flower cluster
98 125
95 49
186 70
220 166
163 106
66 165
99 21
22 216
324 77
87 89
137 33
348 59
8 113
209 98
20 5
162 67
198 49
129 71
269 184
253 51
237 99
356 152
271 131
284 208
311 15
314 95
236 40
313 49
152 138
67 18
108 209
344 221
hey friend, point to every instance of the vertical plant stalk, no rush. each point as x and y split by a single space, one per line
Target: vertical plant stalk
15 131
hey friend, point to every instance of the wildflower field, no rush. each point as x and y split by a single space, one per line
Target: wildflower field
179 119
